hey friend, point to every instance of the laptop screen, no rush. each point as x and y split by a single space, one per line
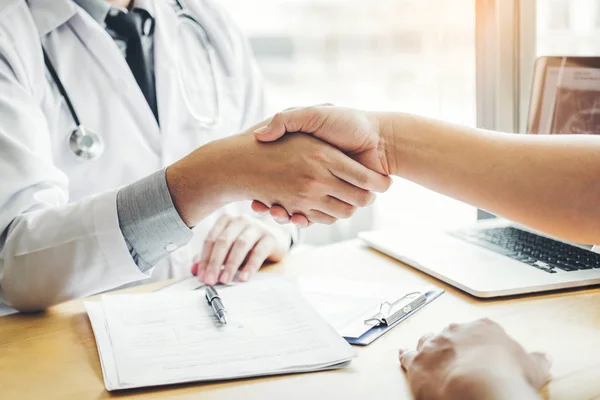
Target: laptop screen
565 96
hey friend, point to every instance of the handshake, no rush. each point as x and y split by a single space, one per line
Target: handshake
353 176
307 165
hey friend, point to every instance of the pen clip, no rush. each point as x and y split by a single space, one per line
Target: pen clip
386 315
211 294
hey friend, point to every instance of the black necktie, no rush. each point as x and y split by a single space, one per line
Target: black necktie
128 25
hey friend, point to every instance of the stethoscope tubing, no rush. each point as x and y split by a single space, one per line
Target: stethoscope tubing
182 15
207 122
61 88
85 145
97 148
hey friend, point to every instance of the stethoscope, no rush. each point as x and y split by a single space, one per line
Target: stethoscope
88 145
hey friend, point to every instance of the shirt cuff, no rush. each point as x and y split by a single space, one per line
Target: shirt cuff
150 224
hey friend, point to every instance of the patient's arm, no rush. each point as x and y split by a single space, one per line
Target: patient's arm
548 182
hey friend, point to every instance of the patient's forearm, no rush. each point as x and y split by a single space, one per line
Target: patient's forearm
551 183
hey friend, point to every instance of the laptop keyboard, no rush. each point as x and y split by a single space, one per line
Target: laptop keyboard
538 251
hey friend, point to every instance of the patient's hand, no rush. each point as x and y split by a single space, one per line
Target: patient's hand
354 132
477 360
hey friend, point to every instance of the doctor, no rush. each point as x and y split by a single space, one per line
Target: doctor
96 99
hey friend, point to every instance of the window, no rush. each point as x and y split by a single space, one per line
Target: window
415 56
568 27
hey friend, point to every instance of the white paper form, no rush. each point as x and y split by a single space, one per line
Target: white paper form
161 338
192 283
95 311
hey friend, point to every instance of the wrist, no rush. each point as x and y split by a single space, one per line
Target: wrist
197 184
389 130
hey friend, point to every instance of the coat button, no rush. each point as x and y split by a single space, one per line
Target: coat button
170 247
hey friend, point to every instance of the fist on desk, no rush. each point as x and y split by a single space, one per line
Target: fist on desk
477 360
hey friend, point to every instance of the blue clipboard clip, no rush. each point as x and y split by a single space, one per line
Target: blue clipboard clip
391 313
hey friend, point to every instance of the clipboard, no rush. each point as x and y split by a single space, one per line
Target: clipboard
391 313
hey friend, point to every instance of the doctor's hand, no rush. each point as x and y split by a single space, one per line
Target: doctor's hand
300 173
239 243
355 132
477 360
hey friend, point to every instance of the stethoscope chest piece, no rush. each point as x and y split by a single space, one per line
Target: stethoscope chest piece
85 144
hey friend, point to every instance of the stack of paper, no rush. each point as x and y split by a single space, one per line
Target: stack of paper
173 337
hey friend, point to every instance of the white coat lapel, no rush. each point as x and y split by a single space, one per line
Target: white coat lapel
106 53
165 60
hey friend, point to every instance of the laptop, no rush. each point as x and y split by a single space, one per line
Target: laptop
496 257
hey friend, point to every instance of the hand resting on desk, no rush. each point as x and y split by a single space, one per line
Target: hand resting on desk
243 243
477 360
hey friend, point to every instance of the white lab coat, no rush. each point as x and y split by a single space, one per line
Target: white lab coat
59 231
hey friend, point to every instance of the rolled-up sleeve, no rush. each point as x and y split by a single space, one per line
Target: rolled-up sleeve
149 221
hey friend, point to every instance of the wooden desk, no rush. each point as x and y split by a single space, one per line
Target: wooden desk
53 355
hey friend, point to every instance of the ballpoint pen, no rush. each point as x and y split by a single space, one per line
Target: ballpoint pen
217 305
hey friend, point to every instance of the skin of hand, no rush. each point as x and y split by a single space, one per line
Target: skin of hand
243 243
477 360
303 174
354 132
547 182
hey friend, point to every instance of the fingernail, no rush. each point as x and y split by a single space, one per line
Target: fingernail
224 277
261 130
244 276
